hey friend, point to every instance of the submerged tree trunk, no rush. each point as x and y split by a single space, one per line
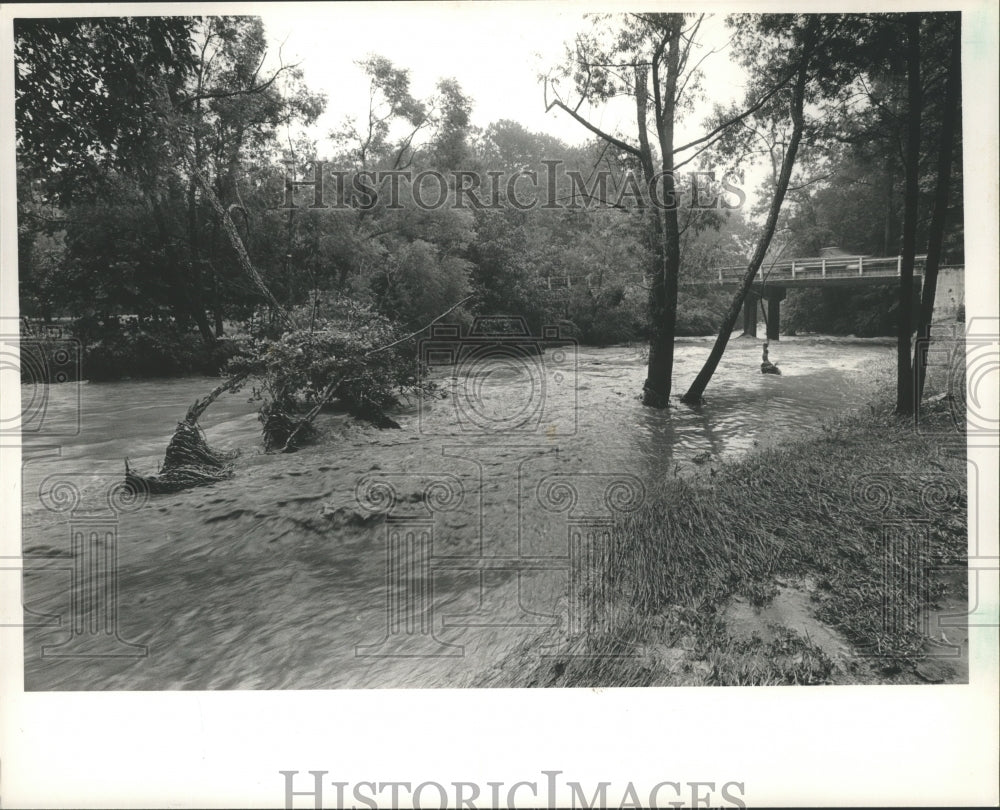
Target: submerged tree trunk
935 240
664 231
904 369
660 367
697 390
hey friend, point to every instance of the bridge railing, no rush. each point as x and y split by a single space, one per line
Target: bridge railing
838 267
786 272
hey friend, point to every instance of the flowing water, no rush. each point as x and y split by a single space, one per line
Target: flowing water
395 558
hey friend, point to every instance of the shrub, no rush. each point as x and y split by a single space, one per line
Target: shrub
115 349
341 358
700 310
604 316
149 349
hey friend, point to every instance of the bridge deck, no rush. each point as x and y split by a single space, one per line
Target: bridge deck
820 271
832 271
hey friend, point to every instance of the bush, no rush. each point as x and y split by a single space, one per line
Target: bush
422 284
340 358
149 349
114 349
700 310
605 316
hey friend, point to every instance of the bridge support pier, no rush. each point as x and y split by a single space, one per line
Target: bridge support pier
774 299
750 313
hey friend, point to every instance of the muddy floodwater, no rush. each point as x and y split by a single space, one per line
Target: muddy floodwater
377 558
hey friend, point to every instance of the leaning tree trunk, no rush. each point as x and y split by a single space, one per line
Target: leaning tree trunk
904 369
234 239
696 391
935 239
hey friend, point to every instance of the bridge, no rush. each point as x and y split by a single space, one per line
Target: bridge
831 269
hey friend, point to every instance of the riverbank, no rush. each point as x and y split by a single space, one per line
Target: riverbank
827 560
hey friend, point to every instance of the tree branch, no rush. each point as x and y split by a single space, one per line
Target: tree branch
421 329
625 147
745 114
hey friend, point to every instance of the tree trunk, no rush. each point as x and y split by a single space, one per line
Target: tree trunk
889 233
696 391
201 319
935 240
659 371
904 369
656 388
241 252
664 227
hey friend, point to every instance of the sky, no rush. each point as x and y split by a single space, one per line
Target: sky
495 50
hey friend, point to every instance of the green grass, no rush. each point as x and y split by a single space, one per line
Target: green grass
816 509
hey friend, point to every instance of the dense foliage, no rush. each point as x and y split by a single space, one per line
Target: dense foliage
349 355
118 118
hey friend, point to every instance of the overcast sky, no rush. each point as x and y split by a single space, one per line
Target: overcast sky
495 50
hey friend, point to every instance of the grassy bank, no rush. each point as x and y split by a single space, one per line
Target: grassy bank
775 568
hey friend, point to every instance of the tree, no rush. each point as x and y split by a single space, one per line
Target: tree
651 52
949 125
803 34
642 50
848 188
164 115
911 200
449 148
90 92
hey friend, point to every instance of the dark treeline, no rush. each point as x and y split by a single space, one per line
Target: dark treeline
133 132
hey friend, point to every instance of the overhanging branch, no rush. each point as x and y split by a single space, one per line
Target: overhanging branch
617 142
